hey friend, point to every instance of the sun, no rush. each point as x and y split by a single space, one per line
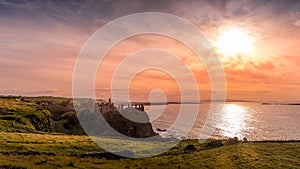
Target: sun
234 42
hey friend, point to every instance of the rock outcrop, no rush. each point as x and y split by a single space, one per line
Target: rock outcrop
129 121
53 114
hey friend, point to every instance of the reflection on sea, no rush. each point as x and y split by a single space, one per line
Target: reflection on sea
252 120
233 121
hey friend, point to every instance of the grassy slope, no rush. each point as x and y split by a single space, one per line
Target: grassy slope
17 116
56 151
52 151
28 117
46 98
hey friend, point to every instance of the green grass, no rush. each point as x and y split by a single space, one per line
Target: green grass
61 151
46 98
26 143
29 117
17 116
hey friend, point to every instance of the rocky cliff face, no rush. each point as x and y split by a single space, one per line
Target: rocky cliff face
130 121
128 127
64 119
50 114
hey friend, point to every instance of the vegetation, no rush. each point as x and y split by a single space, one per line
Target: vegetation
32 135
17 116
21 150
38 115
56 114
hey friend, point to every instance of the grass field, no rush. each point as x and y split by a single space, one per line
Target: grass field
17 116
21 150
27 140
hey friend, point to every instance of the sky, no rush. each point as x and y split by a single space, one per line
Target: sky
40 42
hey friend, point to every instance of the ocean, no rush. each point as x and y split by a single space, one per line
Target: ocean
253 120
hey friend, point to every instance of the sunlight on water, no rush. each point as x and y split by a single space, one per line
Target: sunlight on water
233 121
254 121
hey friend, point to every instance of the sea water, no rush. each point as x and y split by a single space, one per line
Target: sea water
253 120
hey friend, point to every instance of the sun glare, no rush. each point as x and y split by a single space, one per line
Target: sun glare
234 42
233 120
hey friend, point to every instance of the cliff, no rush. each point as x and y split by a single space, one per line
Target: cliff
119 119
52 114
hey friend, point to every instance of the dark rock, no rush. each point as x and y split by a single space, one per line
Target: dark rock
190 148
161 130
232 140
215 143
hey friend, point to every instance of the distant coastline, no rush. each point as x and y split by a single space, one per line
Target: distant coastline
187 102
288 104
170 102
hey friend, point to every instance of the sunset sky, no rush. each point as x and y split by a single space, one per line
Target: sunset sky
40 42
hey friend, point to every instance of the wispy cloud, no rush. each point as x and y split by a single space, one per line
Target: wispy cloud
40 41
